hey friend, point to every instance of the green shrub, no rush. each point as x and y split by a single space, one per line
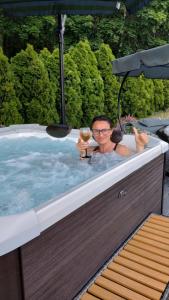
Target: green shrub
9 103
166 94
158 94
51 62
91 81
111 85
73 97
149 96
33 88
136 98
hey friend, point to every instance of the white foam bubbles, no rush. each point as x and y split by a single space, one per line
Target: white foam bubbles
34 170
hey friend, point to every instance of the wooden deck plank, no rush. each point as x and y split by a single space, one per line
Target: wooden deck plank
88 296
140 258
155 231
161 218
132 284
146 254
136 275
119 289
145 270
102 293
158 224
151 249
158 221
154 237
149 241
140 271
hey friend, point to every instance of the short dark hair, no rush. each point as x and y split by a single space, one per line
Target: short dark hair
102 118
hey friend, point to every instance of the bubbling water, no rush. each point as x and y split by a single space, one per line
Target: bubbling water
34 170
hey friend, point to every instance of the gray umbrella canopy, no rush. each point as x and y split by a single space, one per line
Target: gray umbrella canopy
54 7
153 63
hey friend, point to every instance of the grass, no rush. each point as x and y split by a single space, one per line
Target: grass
161 114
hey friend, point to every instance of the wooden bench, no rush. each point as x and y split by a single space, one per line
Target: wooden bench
140 270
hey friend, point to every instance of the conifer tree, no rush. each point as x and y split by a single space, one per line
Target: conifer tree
33 88
166 94
158 94
9 103
91 81
51 62
72 92
111 85
149 94
73 97
136 98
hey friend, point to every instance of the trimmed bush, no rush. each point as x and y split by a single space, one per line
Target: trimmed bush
158 94
73 97
33 88
166 94
91 82
51 62
111 85
136 98
9 103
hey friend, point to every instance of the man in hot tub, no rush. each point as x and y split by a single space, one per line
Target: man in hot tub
102 129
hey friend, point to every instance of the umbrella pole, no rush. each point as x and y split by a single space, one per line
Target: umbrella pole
60 130
61 29
119 98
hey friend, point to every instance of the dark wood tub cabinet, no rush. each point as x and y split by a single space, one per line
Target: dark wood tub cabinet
58 263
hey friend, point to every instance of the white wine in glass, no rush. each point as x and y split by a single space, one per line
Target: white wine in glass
85 135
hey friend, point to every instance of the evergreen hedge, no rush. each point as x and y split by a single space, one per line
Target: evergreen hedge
33 88
30 89
9 103
73 96
91 83
111 85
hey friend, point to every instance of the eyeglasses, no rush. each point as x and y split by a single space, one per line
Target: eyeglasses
104 131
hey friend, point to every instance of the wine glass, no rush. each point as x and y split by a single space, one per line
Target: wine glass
85 135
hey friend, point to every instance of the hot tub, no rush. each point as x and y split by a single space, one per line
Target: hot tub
50 251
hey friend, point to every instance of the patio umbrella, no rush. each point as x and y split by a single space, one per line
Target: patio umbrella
153 63
19 8
54 7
